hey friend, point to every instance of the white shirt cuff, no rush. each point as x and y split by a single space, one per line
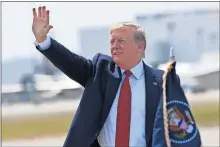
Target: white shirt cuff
43 45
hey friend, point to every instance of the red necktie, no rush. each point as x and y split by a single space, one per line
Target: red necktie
124 113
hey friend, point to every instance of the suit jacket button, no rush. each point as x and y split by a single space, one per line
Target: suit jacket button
96 134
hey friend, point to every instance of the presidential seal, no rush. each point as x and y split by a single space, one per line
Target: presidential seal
181 125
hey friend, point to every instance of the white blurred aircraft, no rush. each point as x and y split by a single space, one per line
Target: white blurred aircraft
46 86
191 73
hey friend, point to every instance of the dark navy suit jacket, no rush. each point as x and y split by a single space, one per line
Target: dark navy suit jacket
101 79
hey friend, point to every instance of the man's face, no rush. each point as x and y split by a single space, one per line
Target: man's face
124 49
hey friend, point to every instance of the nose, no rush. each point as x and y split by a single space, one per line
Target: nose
114 44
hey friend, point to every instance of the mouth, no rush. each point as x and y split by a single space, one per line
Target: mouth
117 53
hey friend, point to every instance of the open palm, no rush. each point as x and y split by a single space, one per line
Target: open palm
41 26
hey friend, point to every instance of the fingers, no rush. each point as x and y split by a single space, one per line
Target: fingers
34 12
48 28
39 12
43 11
47 17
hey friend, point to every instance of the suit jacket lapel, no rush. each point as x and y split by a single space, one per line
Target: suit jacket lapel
153 93
113 82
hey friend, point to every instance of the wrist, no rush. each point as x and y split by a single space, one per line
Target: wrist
41 39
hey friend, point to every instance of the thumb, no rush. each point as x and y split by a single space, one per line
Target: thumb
48 28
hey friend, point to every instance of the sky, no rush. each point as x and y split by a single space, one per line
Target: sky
68 17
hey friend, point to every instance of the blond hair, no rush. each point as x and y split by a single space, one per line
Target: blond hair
139 34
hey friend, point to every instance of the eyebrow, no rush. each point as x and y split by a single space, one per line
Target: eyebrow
119 37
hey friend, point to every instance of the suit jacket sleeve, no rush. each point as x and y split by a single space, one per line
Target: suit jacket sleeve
74 66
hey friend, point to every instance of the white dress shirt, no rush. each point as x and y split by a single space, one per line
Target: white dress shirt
45 44
137 125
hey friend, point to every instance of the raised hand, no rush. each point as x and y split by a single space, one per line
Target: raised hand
41 26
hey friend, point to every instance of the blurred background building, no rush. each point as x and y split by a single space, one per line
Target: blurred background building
190 33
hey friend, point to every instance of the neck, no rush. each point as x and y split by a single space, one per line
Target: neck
129 66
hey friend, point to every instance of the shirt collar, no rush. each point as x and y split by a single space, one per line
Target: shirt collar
137 70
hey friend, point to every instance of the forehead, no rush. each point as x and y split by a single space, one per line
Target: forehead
123 31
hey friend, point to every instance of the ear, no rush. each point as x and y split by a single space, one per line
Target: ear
140 47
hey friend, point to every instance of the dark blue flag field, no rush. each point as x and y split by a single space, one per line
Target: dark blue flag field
174 124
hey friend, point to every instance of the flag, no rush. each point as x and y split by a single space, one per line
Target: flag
174 124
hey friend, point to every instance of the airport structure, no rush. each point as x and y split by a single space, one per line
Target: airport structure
194 35
190 33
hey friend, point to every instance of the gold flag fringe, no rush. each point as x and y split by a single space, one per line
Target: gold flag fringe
166 129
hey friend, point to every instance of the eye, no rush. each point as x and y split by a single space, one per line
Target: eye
122 41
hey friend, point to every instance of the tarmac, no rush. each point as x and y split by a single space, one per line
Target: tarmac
210 138
71 105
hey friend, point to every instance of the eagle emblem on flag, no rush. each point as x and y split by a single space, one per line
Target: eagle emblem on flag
181 125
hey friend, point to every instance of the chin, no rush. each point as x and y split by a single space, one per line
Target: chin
119 63
117 60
